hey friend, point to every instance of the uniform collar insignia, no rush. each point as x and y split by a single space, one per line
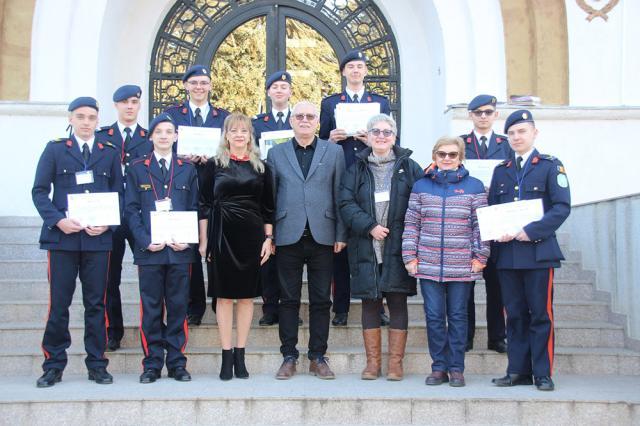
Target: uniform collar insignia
369 99
147 162
535 160
184 110
110 132
69 143
343 98
142 133
266 118
100 145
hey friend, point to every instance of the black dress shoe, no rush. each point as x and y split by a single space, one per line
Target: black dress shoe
544 383
513 380
340 319
384 319
180 374
100 376
113 345
499 346
469 346
149 375
268 319
49 378
194 320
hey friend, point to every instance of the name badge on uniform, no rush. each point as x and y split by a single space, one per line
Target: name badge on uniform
164 205
84 177
382 196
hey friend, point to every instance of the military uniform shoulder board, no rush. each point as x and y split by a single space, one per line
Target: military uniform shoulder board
107 143
103 128
58 140
547 157
506 162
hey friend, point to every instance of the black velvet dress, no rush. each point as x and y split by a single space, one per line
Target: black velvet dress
237 201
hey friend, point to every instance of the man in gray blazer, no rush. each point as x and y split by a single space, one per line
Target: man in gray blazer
309 230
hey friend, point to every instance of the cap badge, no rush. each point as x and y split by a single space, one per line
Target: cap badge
525 116
284 77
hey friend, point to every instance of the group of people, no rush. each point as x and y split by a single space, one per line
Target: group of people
363 216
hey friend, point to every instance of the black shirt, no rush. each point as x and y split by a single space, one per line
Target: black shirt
304 155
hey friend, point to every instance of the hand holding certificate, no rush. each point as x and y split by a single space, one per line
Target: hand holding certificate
482 169
508 219
94 208
198 140
354 117
170 226
270 139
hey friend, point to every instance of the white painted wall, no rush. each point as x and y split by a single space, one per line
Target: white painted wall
603 56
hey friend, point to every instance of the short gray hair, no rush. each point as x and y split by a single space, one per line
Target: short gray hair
382 118
301 103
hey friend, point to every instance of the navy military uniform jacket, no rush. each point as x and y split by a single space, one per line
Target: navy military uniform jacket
498 147
350 145
543 176
268 123
140 144
183 116
58 165
145 185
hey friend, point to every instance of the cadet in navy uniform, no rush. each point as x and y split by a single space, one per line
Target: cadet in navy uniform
161 181
278 87
197 111
130 140
484 144
78 164
354 69
526 260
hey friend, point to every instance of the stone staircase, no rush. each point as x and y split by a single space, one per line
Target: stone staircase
598 379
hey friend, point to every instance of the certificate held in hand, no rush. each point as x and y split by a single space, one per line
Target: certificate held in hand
270 139
198 140
94 208
178 226
508 219
354 117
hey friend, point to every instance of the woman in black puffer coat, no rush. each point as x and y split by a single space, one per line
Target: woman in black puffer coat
373 200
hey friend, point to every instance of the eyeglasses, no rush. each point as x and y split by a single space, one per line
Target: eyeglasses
480 113
442 155
309 117
201 83
386 132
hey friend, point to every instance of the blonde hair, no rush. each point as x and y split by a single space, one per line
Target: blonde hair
449 140
223 155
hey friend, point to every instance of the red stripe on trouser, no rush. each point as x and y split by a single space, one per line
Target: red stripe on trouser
143 338
185 326
106 315
44 351
550 345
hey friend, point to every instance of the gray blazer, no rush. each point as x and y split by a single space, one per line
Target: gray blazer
314 199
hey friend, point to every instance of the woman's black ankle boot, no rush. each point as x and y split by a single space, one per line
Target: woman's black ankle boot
239 368
226 369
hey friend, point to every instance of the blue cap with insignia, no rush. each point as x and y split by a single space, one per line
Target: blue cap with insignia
482 100
160 118
516 117
278 76
354 55
83 101
196 70
125 92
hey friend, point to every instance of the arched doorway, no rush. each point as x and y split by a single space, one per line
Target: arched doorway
245 40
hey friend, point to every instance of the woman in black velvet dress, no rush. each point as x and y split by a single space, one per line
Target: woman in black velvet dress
236 216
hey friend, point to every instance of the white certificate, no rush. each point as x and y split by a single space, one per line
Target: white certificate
270 139
509 218
178 226
198 140
354 117
94 208
482 169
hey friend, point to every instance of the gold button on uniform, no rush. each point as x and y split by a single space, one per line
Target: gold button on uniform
166 186
516 187
515 198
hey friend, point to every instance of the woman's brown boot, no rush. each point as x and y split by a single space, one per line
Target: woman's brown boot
373 348
397 344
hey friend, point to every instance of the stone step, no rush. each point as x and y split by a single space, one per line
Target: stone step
347 400
34 310
34 269
584 334
343 360
34 289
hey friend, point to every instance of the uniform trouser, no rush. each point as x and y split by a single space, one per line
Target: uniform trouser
445 307
528 299
160 286
197 293
341 283
270 286
495 308
114 303
64 267
291 260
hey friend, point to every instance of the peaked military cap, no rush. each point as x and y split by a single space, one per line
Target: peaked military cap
516 117
482 100
125 92
83 101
